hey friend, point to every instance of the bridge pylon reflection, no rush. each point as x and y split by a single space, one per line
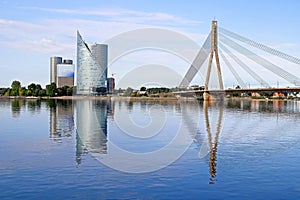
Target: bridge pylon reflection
213 136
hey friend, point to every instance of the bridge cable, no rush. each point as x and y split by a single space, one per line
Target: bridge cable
261 61
235 74
244 66
260 46
197 63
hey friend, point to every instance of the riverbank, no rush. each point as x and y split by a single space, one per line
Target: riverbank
113 98
123 98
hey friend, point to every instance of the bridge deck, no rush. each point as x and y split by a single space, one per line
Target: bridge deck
241 90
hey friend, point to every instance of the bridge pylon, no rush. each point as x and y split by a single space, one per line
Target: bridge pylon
214 51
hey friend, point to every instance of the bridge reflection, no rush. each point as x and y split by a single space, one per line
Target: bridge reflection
92 119
213 137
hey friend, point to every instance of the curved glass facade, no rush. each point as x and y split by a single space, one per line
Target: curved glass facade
91 124
91 67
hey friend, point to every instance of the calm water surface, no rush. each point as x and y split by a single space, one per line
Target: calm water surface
239 150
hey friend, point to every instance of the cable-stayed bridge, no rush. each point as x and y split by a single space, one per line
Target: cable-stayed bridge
237 55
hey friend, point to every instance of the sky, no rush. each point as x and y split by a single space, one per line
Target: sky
31 31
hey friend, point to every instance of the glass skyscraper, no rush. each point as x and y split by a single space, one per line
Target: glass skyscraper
91 67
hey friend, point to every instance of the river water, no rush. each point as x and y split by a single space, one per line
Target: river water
87 149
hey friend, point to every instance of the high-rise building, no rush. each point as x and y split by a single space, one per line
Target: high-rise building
65 73
91 68
53 68
110 85
61 72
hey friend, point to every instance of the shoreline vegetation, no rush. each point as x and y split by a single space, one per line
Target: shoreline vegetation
114 98
35 91
125 98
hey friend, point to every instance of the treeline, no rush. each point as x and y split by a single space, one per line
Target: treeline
36 90
150 92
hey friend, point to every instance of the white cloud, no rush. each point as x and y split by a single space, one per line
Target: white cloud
62 32
57 36
30 37
12 30
126 16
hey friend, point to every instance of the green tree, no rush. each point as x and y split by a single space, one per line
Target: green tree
59 91
38 90
70 91
128 91
31 87
15 85
3 91
22 91
143 89
64 90
7 93
28 93
34 90
51 89
41 93
158 90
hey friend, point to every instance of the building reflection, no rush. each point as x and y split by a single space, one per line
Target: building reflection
92 116
91 124
61 118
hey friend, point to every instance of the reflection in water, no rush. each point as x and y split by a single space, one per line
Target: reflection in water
92 119
32 105
61 118
248 158
272 106
213 142
91 123
16 107
276 106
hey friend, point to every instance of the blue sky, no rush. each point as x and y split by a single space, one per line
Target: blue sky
32 30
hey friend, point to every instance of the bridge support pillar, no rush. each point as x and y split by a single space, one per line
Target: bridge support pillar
207 96
214 51
213 97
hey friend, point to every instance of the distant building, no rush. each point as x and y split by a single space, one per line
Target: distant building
255 94
61 72
54 61
91 68
110 85
65 74
278 94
